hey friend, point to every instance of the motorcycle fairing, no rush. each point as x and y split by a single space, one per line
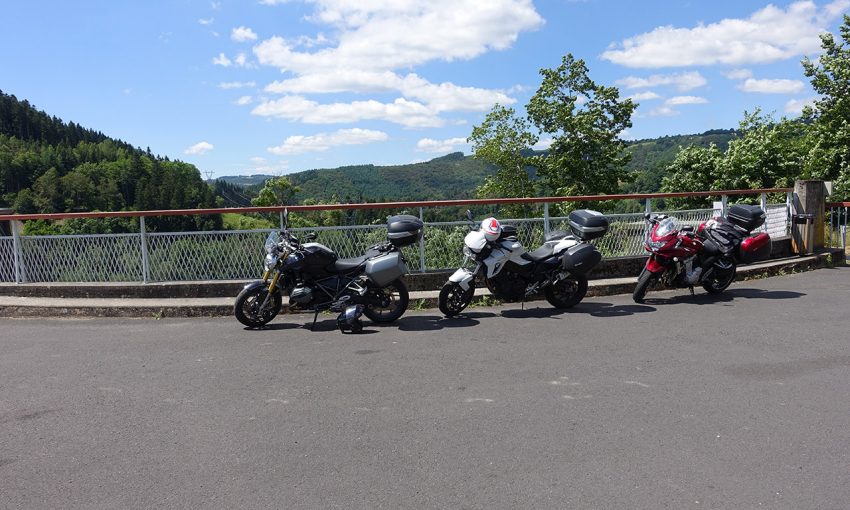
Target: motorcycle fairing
463 277
653 266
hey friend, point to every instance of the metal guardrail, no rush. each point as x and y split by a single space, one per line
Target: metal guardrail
234 255
836 223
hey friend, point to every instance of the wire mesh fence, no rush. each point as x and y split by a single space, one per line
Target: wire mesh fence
238 254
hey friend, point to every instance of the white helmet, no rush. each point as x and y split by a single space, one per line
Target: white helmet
492 229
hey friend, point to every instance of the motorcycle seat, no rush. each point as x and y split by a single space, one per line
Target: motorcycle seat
346 265
544 252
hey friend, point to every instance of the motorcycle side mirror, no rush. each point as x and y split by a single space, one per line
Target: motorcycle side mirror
469 215
311 236
647 216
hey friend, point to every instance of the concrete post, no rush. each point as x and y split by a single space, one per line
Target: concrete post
809 198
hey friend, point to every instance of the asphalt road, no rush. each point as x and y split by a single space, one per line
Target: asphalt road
736 401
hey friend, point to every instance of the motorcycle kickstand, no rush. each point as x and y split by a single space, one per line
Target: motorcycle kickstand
692 291
315 317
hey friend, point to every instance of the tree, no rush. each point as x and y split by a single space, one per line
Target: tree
585 121
829 140
694 169
276 191
503 140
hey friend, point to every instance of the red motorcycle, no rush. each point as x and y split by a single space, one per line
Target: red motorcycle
682 258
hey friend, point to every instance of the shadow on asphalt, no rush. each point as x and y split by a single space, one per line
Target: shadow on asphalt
590 308
725 297
438 322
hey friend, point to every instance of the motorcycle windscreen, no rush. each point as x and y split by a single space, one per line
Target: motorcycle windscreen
755 248
581 258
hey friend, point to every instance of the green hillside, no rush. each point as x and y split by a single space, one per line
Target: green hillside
456 176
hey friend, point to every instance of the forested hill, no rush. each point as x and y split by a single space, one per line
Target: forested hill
47 165
456 176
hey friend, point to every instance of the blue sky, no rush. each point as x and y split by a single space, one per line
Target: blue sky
278 86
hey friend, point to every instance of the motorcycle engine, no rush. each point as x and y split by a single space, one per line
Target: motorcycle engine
507 286
301 295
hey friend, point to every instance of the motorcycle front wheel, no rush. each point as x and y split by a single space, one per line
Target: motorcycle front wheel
396 296
645 280
566 293
248 302
453 299
720 280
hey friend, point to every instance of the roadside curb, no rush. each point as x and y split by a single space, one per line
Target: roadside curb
156 308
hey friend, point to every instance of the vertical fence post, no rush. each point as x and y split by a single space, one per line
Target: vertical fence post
724 200
19 258
789 201
282 223
764 202
545 219
144 245
422 243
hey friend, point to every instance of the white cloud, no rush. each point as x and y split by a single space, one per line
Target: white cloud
738 74
376 39
325 141
679 100
297 108
226 85
273 2
768 35
206 21
663 111
243 34
682 81
258 160
781 86
795 106
439 97
242 101
383 35
439 146
644 96
222 60
199 149
543 144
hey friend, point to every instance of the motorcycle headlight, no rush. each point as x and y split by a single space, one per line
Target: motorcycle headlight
270 262
655 245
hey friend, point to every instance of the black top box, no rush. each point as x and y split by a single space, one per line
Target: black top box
586 224
748 217
404 229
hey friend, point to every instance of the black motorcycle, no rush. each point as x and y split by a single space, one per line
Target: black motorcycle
315 279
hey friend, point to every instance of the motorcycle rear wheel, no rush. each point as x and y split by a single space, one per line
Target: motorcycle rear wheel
398 297
720 282
566 293
247 307
645 280
453 299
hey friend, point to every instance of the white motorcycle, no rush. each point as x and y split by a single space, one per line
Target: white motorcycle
558 268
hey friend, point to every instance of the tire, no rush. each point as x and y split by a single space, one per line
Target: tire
399 298
566 293
645 280
720 281
453 299
246 308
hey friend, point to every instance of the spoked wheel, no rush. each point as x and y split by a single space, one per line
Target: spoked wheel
566 293
395 296
720 280
248 305
645 280
453 299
